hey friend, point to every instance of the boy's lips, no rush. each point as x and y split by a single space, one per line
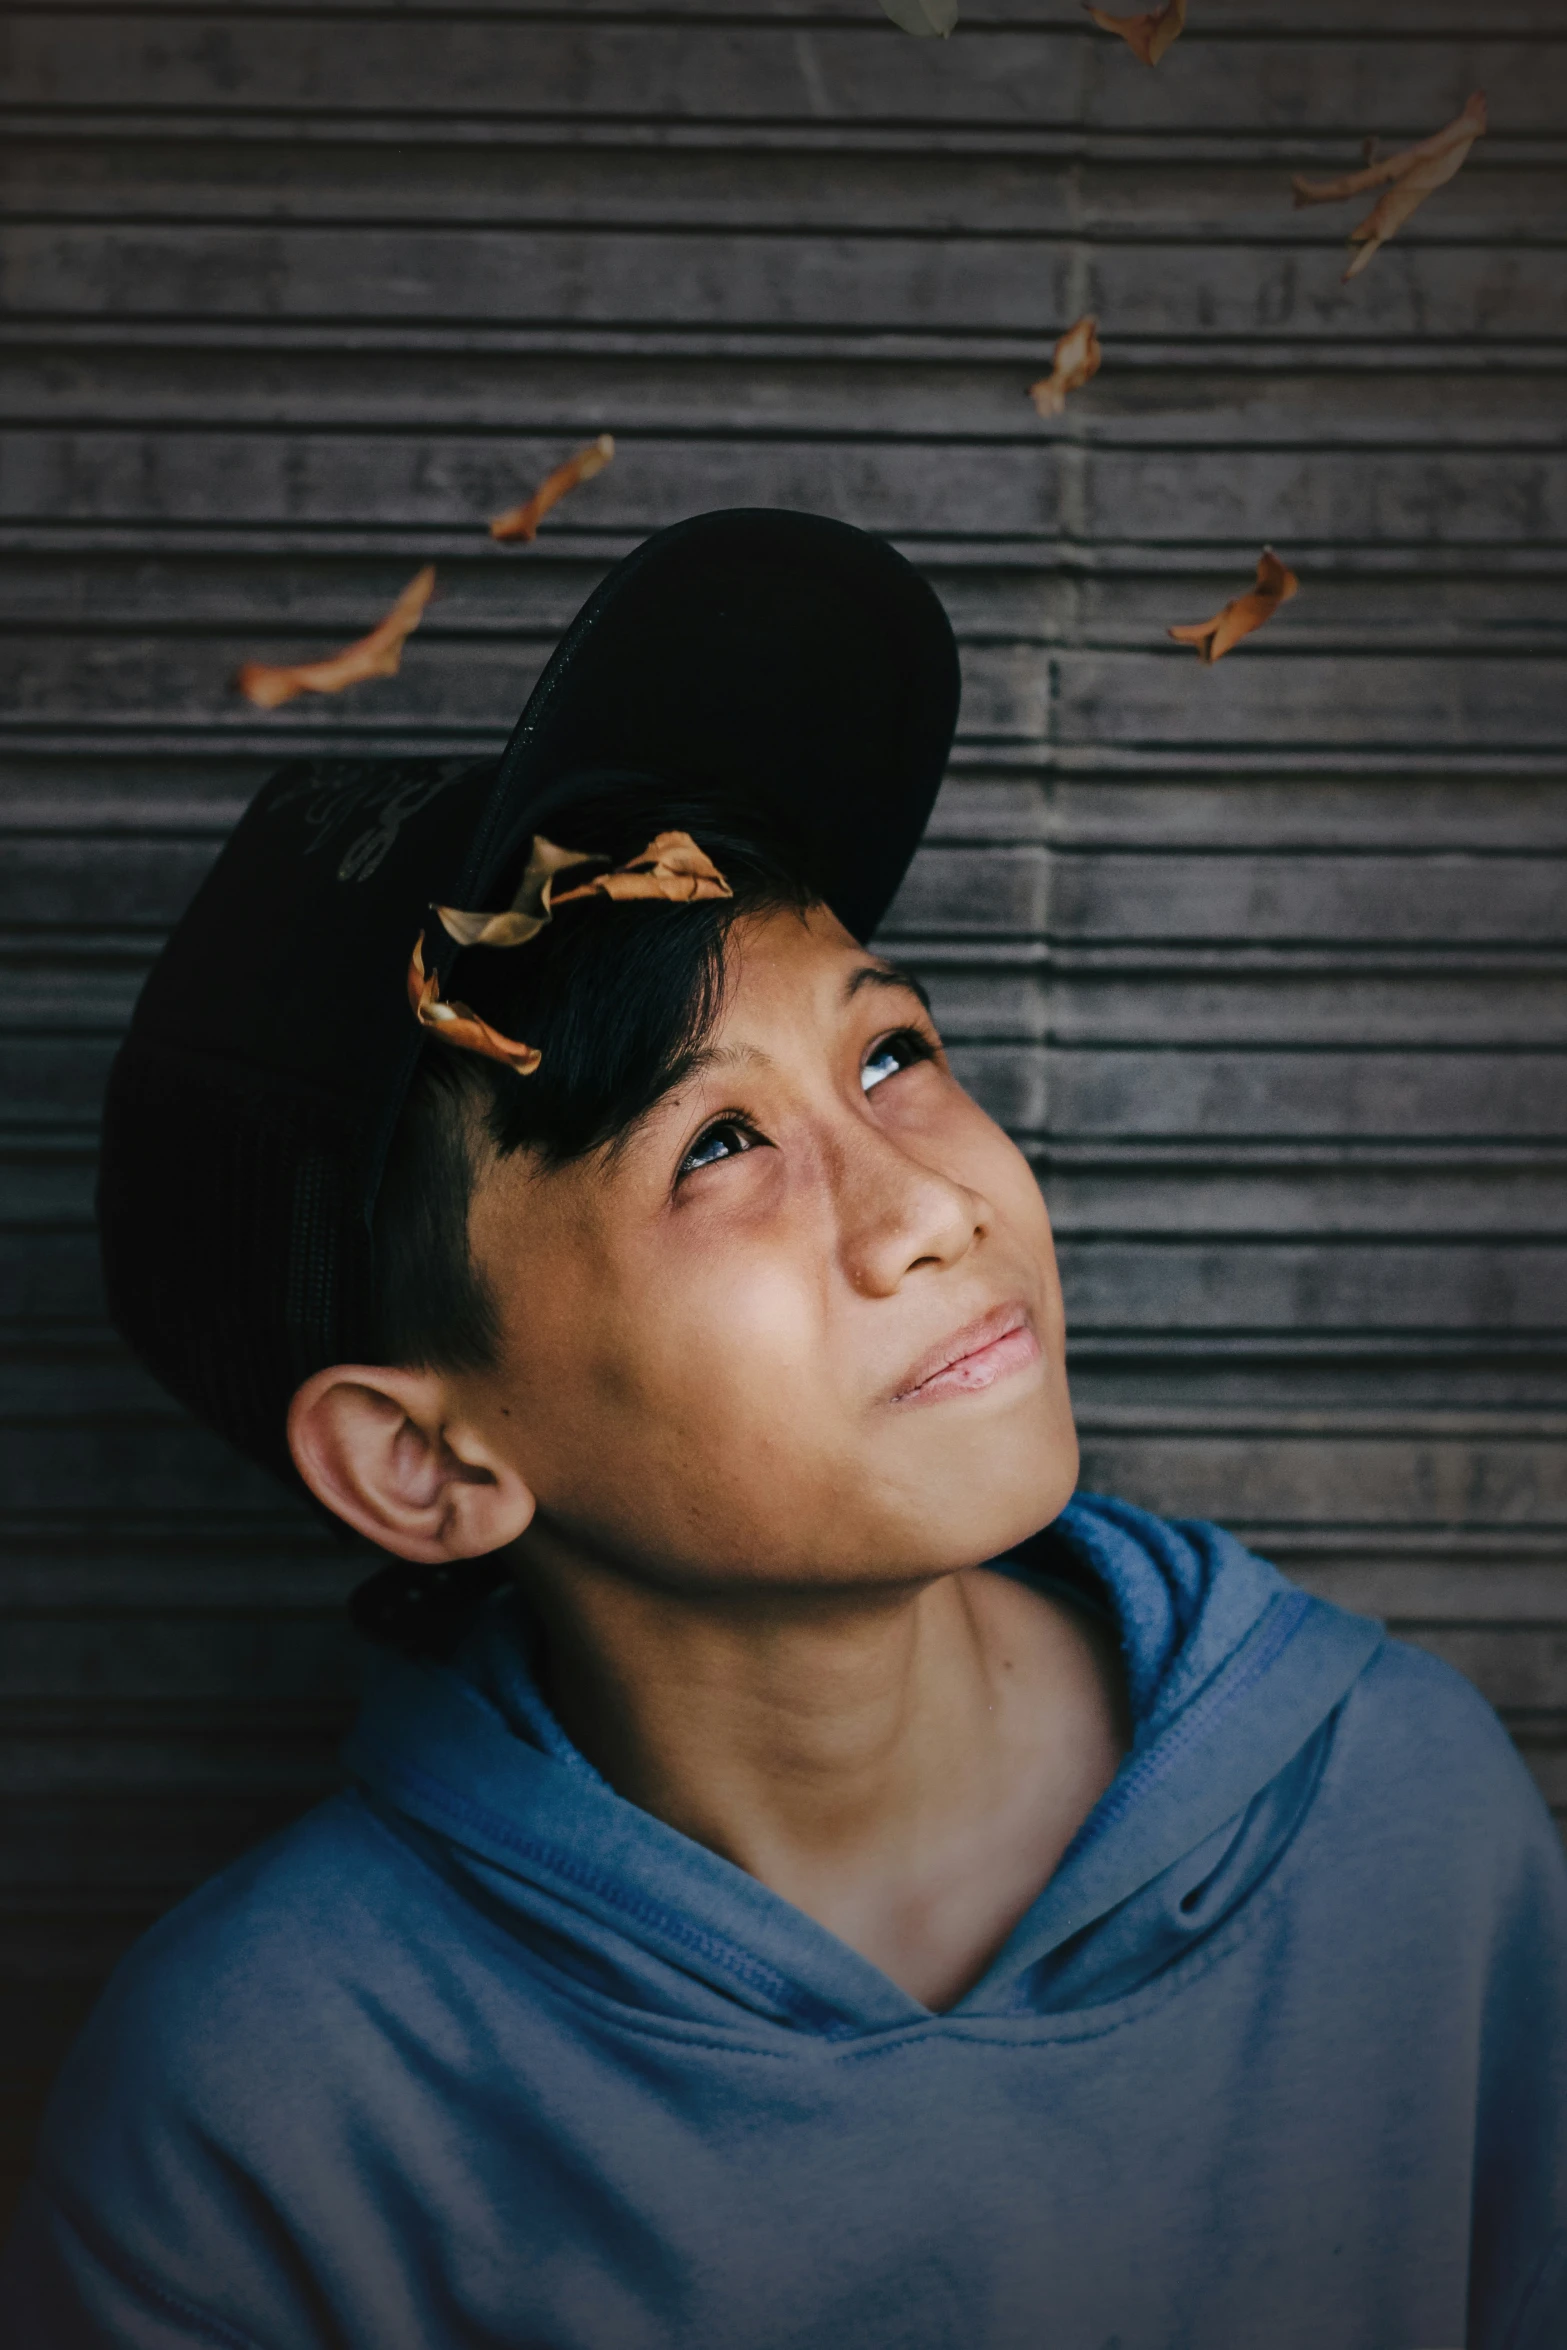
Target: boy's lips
974 1357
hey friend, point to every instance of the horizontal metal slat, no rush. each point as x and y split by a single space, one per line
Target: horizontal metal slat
735 72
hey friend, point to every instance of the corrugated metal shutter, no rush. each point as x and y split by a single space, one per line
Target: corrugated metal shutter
1265 962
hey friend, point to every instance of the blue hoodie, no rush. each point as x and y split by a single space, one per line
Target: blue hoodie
479 2054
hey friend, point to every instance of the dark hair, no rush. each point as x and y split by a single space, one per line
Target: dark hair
617 996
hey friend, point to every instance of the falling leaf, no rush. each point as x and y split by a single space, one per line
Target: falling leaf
1213 638
672 866
1414 173
377 655
1147 36
1075 362
928 19
522 522
456 1024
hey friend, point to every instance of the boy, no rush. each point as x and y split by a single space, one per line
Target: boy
806 1880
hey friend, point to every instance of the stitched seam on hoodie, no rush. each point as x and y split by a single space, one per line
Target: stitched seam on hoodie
554 1982
131 2272
1288 1610
728 1955
1534 2304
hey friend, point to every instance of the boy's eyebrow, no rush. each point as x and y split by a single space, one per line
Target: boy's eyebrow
727 1056
884 975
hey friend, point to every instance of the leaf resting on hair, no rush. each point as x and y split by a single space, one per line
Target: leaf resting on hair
1147 36
672 866
928 19
1213 638
529 910
377 655
1074 362
1409 177
456 1024
522 522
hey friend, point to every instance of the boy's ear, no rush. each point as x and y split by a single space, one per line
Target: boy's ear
384 1450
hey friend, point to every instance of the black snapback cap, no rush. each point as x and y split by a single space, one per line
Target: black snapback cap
250 1108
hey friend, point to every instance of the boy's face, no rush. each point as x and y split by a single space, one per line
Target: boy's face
724 1342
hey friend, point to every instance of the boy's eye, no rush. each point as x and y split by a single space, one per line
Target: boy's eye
898 1051
726 1138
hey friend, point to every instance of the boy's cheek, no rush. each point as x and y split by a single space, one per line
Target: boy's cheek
713 1425
669 1377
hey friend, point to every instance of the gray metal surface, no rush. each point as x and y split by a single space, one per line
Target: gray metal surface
1265 962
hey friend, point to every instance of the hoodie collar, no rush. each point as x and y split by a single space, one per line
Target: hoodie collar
1230 1672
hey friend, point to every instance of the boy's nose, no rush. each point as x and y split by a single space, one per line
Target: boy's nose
897 1215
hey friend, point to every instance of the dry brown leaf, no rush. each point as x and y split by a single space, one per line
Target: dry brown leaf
1213 638
1409 177
456 1024
1147 36
672 866
529 910
1462 131
522 522
377 655
1074 362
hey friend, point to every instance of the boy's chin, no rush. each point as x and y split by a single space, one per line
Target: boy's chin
983 1500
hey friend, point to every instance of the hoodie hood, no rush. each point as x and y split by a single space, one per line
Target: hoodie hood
1232 1675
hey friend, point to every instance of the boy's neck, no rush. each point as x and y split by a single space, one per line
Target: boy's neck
905 1765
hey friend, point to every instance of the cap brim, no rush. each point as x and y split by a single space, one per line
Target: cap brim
771 653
